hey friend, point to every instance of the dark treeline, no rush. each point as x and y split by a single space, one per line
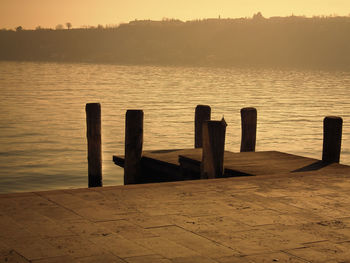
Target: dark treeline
318 42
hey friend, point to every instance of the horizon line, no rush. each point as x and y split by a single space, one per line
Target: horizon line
166 19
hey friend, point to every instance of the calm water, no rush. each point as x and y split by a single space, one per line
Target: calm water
42 116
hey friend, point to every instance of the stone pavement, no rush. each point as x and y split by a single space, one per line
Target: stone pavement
300 217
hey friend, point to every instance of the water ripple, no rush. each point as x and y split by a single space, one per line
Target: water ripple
42 121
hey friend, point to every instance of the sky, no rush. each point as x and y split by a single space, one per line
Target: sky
48 13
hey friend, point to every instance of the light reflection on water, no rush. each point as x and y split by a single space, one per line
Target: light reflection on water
42 120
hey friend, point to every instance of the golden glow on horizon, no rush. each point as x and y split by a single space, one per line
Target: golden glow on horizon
49 13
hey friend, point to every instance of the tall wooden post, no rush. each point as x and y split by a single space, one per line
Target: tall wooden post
202 114
213 149
93 134
249 121
332 133
133 146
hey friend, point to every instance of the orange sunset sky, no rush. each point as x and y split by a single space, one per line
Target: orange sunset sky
49 13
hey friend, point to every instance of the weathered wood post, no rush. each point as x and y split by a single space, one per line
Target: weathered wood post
213 149
332 133
249 121
133 146
202 114
93 134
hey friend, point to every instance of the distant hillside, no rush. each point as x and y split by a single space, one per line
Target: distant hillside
319 42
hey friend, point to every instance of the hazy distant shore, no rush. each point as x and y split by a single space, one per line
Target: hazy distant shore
319 42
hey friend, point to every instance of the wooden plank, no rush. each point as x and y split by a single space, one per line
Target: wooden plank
166 156
184 164
257 163
170 156
163 165
273 163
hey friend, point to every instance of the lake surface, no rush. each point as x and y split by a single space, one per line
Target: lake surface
42 116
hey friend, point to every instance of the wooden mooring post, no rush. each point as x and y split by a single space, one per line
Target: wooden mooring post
213 149
93 134
133 146
332 133
202 114
249 122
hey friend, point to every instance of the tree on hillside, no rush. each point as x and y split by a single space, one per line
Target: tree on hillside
19 28
59 27
258 16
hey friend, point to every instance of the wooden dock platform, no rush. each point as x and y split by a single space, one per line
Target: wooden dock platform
289 217
184 164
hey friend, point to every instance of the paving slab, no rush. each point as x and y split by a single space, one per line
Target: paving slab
12 256
323 252
149 258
